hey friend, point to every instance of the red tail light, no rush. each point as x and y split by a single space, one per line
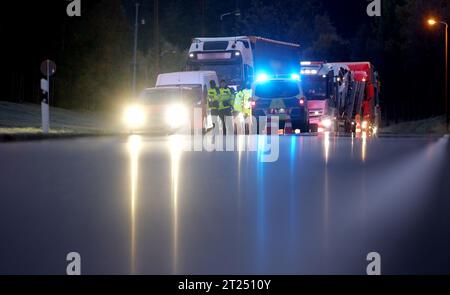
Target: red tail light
252 103
301 101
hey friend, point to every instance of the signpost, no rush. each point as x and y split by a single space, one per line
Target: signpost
48 68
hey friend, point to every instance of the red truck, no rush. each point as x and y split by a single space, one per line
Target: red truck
361 108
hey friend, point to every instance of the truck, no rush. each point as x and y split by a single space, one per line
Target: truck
360 108
326 87
239 60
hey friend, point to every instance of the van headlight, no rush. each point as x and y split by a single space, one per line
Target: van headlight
177 115
134 116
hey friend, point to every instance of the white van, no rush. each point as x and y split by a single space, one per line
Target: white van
199 80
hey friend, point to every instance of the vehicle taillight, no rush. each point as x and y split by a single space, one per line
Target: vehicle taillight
252 103
301 101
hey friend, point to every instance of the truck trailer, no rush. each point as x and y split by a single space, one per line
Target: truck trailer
361 107
239 60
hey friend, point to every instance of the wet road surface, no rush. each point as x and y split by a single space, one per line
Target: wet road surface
143 205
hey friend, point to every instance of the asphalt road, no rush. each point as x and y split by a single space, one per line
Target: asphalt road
144 205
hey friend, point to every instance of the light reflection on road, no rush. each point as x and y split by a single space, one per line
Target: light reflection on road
175 145
363 146
134 148
326 146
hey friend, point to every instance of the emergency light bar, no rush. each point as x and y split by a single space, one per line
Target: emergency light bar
295 77
263 77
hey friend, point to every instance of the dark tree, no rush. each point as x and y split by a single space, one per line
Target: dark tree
95 70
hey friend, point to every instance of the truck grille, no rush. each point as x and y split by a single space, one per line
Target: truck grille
215 45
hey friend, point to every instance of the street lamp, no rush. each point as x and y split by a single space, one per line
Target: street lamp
433 22
136 28
235 13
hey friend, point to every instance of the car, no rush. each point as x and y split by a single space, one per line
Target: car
166 110
281 97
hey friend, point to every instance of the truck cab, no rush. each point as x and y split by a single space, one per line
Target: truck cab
319 86
237 60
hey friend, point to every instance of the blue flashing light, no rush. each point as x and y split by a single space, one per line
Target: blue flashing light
295 77
262 77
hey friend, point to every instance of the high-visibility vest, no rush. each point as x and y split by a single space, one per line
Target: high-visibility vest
225 98
242 102
213 98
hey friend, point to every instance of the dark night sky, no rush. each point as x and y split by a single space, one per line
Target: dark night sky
30 28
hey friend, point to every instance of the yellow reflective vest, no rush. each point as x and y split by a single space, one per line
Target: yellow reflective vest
213 98
225 98
242 102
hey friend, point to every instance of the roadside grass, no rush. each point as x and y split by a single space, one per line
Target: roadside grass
434 125
25 118
31 130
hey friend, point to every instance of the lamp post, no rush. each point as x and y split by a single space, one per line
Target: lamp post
222 16
433 22
136 27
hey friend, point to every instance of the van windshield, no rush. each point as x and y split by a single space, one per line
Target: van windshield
277 89
167 95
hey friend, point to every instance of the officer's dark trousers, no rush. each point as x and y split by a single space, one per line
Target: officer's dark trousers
222 115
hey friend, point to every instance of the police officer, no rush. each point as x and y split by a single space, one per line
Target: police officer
242 100
226 102
213 98
242 103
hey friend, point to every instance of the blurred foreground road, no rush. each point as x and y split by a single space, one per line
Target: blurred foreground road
141 205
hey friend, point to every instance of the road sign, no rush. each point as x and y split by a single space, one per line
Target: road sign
48 67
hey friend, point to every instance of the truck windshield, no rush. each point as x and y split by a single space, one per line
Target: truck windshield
167 95
232 73
315 87
277 89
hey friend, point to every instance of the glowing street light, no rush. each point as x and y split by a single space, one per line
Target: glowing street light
432 22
